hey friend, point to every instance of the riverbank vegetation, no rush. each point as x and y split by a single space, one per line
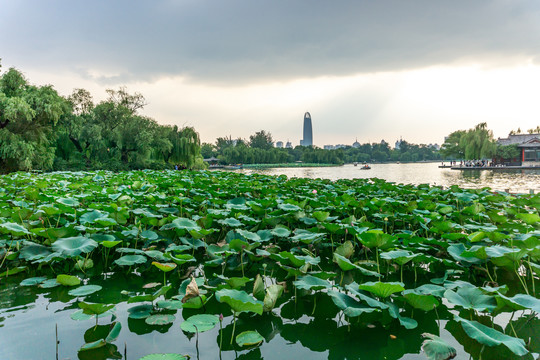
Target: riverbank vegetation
260 150
41 130
367 265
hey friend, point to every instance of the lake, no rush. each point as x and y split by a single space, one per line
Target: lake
516 181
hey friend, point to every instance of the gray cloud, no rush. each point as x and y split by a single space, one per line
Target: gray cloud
249 41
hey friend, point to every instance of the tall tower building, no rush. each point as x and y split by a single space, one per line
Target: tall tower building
308 131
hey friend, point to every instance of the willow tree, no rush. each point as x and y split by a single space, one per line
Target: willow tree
27 116
478 143
186 146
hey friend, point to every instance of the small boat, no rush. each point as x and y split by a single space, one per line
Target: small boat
355 163
365 167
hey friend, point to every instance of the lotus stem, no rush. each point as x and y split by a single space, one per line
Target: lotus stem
57 342
523 283
242 259
234 326
377 255
314 304
532 276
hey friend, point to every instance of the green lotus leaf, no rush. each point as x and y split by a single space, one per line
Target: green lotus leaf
249 338
140 311
91 216
74 246
199 323
84 290
529 218
110 244
130 260
160 319
231 222
94 309
239 301
281 231
114 333
346 249
350 306
309 282
307 237
93 345
406 322
491 337
522 302
68 280
422 302
346 265
258 288
382 289
32 251
289 207
68 202
471 298
48 284
165 267
249 235
320 215
15 228
436 348
33 281
273 293
375 239
400 257
169 304
149 235
100 238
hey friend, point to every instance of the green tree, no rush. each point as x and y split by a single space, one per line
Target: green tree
27 116
261 140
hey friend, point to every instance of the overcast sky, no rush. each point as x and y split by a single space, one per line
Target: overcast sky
370 70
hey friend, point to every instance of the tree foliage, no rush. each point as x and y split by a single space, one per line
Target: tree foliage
476 143
41 130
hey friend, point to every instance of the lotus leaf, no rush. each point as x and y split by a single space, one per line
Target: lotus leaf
249 338
130 260
74 246
160 319
199 323
491 337
382 289
309 282
471 298
68 280
33 281
239 301
273 293
437 349
350 306
140 311
84 290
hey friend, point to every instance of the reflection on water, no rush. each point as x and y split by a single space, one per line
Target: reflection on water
517 181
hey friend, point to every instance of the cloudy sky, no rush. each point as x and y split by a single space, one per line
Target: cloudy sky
370 70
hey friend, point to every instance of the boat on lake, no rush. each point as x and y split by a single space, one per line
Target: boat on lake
365 167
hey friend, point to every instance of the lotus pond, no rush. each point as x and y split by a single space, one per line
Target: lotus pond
222 265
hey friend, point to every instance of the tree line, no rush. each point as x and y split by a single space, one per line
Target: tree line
259 149
41 130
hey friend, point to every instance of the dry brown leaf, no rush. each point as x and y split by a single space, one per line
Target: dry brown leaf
192 290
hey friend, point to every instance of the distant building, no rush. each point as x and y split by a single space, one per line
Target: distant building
288 145
329 147
308 131
356 144
397 146
529 146
279 144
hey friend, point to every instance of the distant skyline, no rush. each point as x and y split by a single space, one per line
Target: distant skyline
364 70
